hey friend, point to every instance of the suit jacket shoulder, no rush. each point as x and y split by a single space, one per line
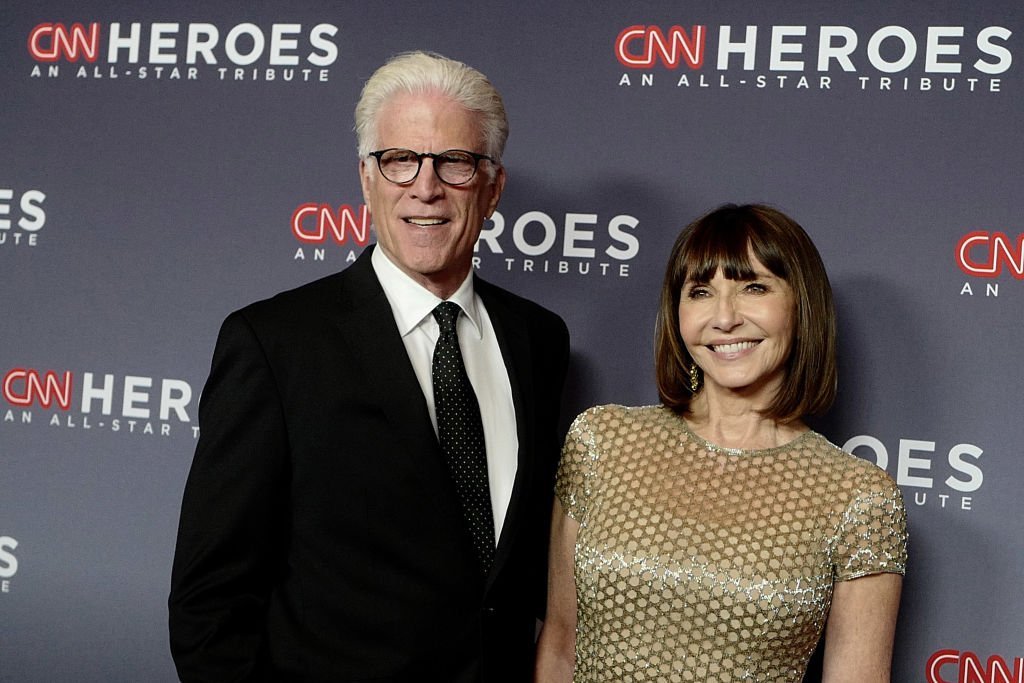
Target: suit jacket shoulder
331 296
546 331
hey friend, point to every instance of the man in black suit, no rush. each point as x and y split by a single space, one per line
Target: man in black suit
325 533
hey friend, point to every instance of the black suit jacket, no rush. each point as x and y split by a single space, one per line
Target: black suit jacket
321 538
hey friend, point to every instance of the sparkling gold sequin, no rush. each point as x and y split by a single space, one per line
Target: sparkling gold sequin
698 563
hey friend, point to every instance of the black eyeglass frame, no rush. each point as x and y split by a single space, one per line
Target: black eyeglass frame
420 156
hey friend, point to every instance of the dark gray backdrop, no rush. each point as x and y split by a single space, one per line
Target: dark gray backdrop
135 213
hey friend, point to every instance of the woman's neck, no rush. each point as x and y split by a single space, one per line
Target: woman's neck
737 422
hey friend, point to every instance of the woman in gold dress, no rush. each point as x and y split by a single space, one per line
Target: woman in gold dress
715 537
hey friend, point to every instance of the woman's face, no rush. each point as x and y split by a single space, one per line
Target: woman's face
739 332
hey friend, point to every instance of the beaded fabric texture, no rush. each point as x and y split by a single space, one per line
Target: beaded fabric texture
700 563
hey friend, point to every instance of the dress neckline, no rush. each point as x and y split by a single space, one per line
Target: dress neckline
739 452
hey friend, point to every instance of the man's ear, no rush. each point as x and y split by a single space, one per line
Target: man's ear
497 187
364 182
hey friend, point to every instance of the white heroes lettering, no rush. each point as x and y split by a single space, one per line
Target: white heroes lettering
913 465
8 562
31 217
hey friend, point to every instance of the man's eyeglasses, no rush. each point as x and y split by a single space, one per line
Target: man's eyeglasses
453 167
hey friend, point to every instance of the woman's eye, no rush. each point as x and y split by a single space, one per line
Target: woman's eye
697 292
756 288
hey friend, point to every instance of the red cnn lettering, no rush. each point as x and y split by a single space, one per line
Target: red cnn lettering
650 40
25 387
936 662
971 670
48 42
342 226
995 251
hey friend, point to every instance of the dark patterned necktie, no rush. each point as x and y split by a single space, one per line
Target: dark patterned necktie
461 432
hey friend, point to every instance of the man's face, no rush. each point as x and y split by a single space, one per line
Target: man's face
427 228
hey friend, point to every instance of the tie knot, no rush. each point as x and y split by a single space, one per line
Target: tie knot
446 314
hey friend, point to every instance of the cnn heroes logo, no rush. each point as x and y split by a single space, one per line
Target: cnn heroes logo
953 666
987 255
8 562
570 244
174 51
936 476
887 59
129 404
22 216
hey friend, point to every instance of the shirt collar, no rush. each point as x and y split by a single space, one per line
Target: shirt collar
411 303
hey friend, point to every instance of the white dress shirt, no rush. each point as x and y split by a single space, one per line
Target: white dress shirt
412 306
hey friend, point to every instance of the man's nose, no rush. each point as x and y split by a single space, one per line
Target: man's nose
426 185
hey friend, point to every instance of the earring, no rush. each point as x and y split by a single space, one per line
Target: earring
694 377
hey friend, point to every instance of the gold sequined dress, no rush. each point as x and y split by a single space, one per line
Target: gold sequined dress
699 563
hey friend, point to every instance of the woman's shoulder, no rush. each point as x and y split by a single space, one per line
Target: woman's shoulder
613 415
864 475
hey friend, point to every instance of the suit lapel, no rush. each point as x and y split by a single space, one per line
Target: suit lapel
513 341
366 323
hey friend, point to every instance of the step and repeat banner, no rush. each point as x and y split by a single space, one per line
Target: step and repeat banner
162 164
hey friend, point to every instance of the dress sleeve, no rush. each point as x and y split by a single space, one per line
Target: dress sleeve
872 536
576 468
